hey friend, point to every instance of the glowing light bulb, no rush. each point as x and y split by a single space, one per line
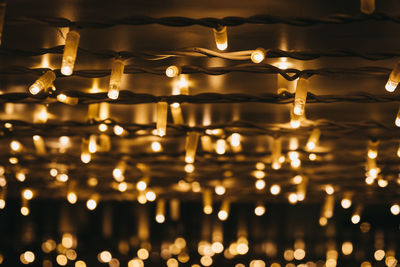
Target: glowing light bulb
275 189
103 127
367 6
39 144
258 55
259 210
122 187
313 139
176 113
395 209
72 197
92 144
397 121
300 96
220 190
346 203
356 217
329 189
160 211
151 196
105 256
91 204
44 82
25 211
141 185
15 146
224 210
118 130
156 146
394 78
70 51
86 157
221 37
189 168
292 198
192 141
27 194
372 149
235 140
260 184
62 177
173 71
207 201
327 208
117 70
118 172
162 113
298 179
220 146
2 16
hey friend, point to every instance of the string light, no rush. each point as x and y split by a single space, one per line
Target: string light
367 6
302 189
372 149
122 187
328 207
117 70
151 195
86 157
346 202
44 82
295 120
27 194
64 143
356 217
173 71
395 209
259 209
221 37
235 140
276 153
41 115
92 147
141 185
70 51
329 189
72 197
275 189
300 96
220 190
2 199
67 99
91 203
292 198
313 139
40 146
192 140
258 55
118 130
223 213
220 147
207 201
156 146
160 211
260 184
162 112
15 146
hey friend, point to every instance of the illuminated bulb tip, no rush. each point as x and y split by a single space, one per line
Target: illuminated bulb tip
310 145
70 51
397 122
258 55
113 94
391 86
295 124
298 110
91 204
395 209
221 38
34 89
172 71
222 215
355 219
160 218
66 70
72 197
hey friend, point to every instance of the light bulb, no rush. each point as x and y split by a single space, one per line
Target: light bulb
91 204
160 211
176 113
118 172
275 189
44 82
151 195
394 78
220 146
276 153
221 37
118 130
156 146
235 140
220 190
162 113
395 209
67 99
122 187
329 189
367 6
86 157
92 144
292 198
2 16
27 194
20 176
295 120
172 71
346 203
259 210
192 141
397 121
103 127
313 139
300 96
260 184
15 146
117 70
39 144
372 149
207 201
141 185
356 217
223 213
327 208
258 55
72 197
70 51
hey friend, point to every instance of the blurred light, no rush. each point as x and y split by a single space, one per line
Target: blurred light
260 184
312 156
220 190
61 260
292 198
72 197
143 254
299 254
297 179
91 204
27 194
288 255
206 260
379 254
25 211
189 168
80 264
150 195
141 185
346 203
15 146
156 146
29 256
259 210
258 55
105 256
136 263
122 187
20 176
395 209
118 130
329 189
53 172
275 189
355 218
260 166
62 177
220 146
171 262
103 127
13 160
347 248
382 183
259 174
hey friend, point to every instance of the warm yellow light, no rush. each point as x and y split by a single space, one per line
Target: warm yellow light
221 37
224 211
156 146
172 71
122 187
207 201
136 263
299 254
221 146
118 130
67 99
295 163
160 211
27 194
92 144
220 190
143 254
379 254
141 185
105 256
162 113
395 209
70 51
367 7
235 140
259 174
382 182
2 203
355 218
53 172
86 157
329 189
189 168
171 262
300 96
103 127
259 210
25 211
292 198
346 203
29 256
217 247
91 204
117 70
312 156
72 197
20 176
258 55
44 82
323 221
260 166
13 160
260 184
297 179
192 140
313 139
151 196
15 146
275 189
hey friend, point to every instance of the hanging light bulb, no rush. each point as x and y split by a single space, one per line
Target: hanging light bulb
220 190
173 71
86 157
15 146
300 96
259 210
221 37
220 146
117 70
346 201
160 211
394 78
207 201
356 217
192 140
372 149
39 145
367 6
276 153
118 172
41 115
2 16
70 51
395 209
223 213
258 55
44 82
176 113
313 139
275 189
162 113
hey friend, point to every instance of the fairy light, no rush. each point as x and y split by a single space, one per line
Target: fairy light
372 149
162 112
356 217
207 201
64 143
41 115
295 120
13 160
27 194
235 141
313 139
382 182
62 177
292 198
15 146
276 153
118 130
117 70
91 203
20 176
156 146
300 96
397 121
182 85
160 211
192 141
70 51
2 16
220 190
367 6
346 202
92 147
2 199
25 208
220 147
122 187
395 209
86 157
221 37
173 71
189 168
328 207
67 99
260 184
275 189
44 82
302 189
223 213
39 144
259 210
151 195
258 55
347 248
329 189
72 197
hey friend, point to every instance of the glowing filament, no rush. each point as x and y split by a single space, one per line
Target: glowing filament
176 113
162 113
117 70
207 201
372 149
39 145
160 211
220 146
300 96
2 16
44 82
70 51
223 213
173 71
192 140
313 139
67 99
367 6
258 55
221 37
